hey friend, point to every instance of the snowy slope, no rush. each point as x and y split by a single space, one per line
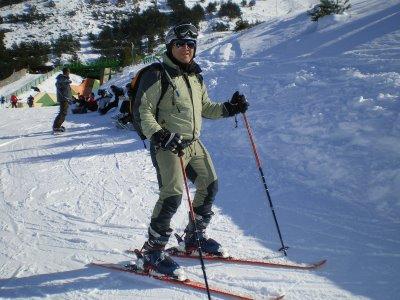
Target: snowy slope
325 104
79 18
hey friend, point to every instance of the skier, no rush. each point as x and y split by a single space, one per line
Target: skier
2 101
63 96
177 128
30 101
14 100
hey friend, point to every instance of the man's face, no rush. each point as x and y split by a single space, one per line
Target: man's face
183 50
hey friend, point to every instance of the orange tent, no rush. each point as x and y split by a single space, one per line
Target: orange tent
86 87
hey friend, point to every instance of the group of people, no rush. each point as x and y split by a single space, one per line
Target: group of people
84 104
172 123
103 103
14 101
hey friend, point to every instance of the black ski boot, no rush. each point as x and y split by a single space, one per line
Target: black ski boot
208 246
156 261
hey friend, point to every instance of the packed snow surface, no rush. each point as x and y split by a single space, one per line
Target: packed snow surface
324 110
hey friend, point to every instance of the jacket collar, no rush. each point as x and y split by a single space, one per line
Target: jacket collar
175 70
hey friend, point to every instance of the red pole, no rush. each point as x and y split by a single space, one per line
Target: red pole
258 162
194 223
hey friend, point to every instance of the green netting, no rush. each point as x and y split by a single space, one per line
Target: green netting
96 85
46 100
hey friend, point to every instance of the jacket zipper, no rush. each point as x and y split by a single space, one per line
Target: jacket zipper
191 98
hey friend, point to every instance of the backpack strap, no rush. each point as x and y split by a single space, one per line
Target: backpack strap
200 78
164 87
155 67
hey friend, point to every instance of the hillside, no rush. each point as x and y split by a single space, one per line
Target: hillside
324 108
80 17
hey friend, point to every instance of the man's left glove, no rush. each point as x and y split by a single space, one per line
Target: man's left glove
167 140
238 104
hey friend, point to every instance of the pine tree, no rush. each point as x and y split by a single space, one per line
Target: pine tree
329 7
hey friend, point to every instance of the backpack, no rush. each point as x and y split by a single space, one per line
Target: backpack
133 88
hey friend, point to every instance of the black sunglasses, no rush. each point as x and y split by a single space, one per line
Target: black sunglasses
185 30
182 43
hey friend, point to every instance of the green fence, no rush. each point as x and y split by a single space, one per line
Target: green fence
34 82
146 60
153 57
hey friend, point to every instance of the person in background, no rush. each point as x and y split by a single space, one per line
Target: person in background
92 103
30 101
118 92
64 94
14 100
103 100
80 105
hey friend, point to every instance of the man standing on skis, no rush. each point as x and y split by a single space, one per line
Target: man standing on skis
173 124
63 96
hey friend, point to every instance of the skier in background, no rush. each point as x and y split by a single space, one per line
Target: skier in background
30 101
177 128
63 96
14 100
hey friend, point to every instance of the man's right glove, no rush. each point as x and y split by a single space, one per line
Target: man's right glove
238 104
167 140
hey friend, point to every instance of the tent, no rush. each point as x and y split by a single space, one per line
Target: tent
45 99
86 87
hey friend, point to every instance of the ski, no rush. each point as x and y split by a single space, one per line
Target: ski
263 263
187 282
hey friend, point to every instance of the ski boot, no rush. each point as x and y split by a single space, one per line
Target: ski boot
57 130
155 261
208 246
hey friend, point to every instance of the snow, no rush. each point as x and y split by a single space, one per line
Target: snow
324 109
78 18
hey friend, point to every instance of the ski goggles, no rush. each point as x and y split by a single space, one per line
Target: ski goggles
181 43
186 30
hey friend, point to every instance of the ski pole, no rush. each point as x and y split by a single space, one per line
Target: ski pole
258 162
180 154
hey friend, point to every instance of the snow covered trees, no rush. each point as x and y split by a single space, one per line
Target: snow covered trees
329 7
230 10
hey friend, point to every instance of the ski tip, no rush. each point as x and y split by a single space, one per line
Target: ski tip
320 263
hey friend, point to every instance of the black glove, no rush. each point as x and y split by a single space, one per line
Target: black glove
167 140
238 104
